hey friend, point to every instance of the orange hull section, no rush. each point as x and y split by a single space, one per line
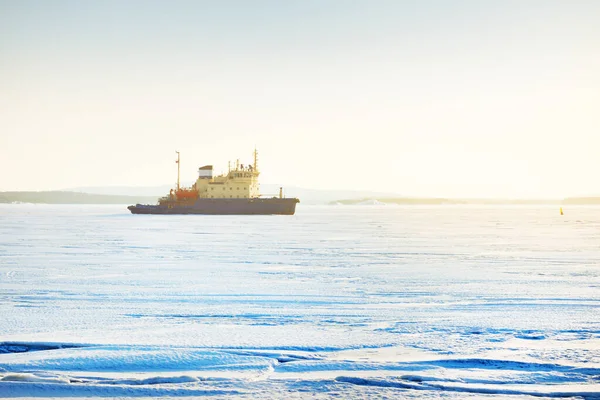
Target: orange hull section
183 194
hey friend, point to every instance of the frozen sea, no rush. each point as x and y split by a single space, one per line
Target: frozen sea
333 302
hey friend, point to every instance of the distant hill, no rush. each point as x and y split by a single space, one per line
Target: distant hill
395 200
146 191
441 201
66 197
582 200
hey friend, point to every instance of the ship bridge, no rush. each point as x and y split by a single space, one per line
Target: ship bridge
239 182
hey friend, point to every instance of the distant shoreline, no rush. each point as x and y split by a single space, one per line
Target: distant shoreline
450 201
66 197
70 197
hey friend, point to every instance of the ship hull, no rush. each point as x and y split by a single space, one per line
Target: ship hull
273 206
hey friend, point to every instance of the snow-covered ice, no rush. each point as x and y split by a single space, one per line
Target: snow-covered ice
347 301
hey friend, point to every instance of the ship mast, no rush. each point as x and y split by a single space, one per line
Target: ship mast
178 168
255 159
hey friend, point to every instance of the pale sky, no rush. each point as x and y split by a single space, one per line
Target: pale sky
423 98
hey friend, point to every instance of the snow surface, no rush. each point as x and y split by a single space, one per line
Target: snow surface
345 301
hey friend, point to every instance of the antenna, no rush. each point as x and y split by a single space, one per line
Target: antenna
178 168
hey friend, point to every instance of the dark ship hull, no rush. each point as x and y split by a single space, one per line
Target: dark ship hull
271 206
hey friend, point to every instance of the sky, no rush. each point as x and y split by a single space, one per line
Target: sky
421 98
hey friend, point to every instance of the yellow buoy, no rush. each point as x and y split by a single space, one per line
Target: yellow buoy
561 211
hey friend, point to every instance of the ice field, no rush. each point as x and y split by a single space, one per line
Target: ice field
336 301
